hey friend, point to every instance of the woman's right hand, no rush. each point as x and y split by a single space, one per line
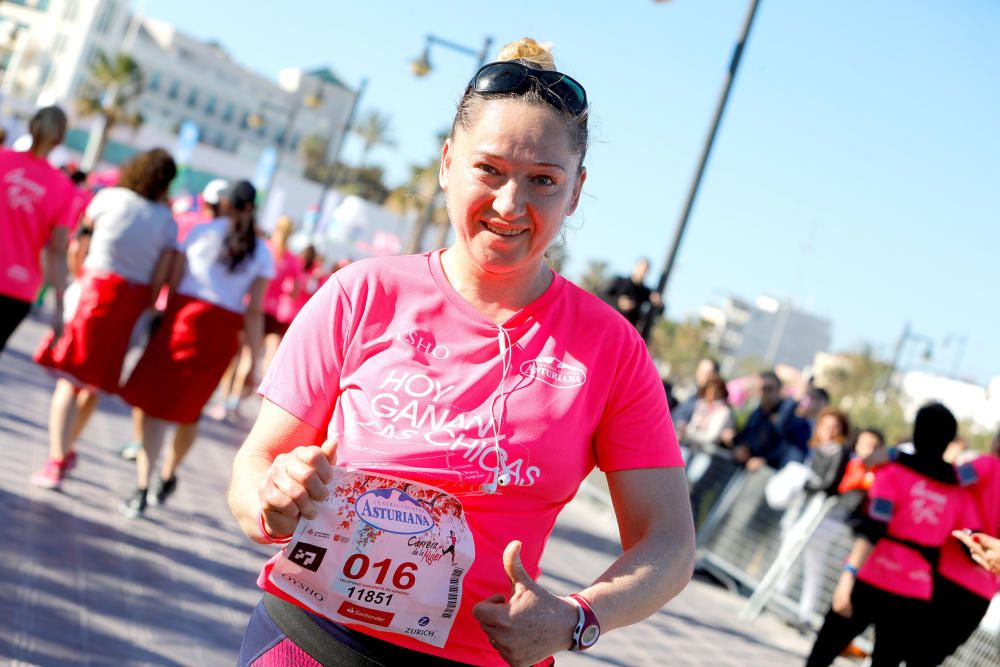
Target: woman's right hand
294 483
842 595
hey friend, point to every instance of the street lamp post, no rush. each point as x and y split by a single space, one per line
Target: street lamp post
897 356
311 101
333 173
706 150
421 66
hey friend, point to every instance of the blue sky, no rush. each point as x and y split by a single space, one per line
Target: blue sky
856 172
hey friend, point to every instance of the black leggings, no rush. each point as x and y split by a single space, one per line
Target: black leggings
956 613
895 618
12 313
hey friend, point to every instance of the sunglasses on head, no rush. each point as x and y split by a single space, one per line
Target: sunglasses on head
561 91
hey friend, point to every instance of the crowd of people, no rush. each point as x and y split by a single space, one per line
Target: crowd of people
189 296
540 382
925 512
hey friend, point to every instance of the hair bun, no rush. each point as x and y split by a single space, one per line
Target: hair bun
531 52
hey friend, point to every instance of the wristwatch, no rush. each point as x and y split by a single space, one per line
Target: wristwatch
588 628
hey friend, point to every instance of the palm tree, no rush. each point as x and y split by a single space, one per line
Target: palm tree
373 129
114 84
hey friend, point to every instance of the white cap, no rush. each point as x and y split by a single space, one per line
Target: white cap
212 191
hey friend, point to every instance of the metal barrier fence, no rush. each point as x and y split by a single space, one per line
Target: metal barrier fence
788 561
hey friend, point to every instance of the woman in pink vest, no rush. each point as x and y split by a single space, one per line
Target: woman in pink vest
888 578
963 589
469 390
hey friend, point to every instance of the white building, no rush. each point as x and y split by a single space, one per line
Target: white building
47 47
767 331
969 402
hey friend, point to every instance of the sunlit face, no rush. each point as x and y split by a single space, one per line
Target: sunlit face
866 444
510 181
828 429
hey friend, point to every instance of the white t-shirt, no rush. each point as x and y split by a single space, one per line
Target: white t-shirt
208 278
130 233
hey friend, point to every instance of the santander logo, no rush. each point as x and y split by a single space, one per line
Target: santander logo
393 511
554 372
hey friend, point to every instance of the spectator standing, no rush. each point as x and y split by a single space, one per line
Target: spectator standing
773 435
636 302
706 369
128 259
224 275
35 215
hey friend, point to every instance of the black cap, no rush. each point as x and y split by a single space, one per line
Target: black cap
240 194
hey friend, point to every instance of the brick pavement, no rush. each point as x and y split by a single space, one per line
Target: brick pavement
81 585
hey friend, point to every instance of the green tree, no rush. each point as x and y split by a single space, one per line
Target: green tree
595 278
113 85
374 129
680 344
312 150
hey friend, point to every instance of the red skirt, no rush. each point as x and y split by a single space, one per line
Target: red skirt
92 348
184 361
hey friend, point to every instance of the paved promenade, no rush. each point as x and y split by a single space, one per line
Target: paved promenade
82 585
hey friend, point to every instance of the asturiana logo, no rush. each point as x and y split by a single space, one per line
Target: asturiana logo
393 511
553 372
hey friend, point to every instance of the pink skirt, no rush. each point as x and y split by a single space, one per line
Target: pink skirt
184 361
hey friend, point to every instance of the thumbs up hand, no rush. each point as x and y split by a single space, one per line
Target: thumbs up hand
293 485
530 624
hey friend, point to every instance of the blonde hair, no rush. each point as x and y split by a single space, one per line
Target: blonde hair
284 226
530 52
537 55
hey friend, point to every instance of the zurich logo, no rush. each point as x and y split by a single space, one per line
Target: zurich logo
393 511
554 372
423 621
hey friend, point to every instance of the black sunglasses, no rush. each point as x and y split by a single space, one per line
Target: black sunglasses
561 91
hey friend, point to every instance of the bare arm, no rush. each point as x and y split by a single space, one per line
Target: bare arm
657 533
55 272
845 586
253 323
278 472
163 273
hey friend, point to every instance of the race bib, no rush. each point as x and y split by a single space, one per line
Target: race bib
382 552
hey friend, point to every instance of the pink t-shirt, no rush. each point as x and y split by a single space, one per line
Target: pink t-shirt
395 365
917 509
35 198
287 270
955 563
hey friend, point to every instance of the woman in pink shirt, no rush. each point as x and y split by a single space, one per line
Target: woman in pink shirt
134 241
963 589
914 504
35 215
468 390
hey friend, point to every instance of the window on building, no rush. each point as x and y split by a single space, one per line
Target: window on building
262 130
295 142
210 106
279 137
59 44
245 120
40 5
70 11
154 81
227 115
175 89
192 98
103 22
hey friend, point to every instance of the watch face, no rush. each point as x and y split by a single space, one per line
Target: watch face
589 636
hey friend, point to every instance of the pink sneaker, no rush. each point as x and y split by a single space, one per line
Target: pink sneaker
69 462
51 475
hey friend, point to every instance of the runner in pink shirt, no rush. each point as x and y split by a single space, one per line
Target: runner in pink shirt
963 590
887 581
35 214
466 392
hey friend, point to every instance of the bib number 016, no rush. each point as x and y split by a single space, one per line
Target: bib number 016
357 566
